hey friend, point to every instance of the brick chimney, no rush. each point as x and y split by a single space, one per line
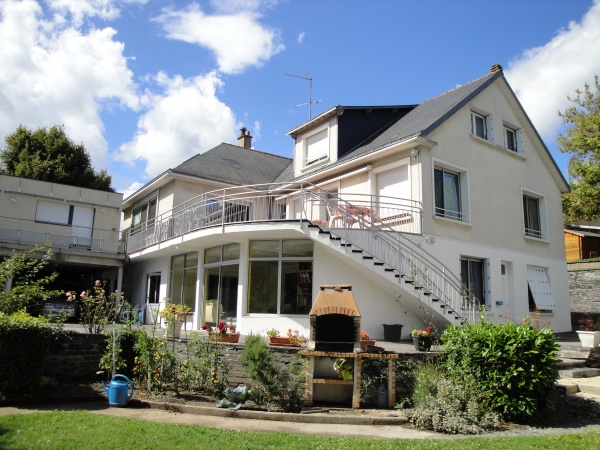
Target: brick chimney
496 68
245 140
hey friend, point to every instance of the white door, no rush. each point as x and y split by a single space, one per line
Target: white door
82 226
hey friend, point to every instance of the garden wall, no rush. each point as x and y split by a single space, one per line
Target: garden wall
584 290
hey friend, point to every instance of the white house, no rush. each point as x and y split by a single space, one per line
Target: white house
82 225
429 211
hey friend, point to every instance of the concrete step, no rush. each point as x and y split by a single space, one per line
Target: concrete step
579 372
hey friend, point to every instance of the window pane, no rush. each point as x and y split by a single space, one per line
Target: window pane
264 249
189 290
231 252
479 124
191 260
152 210
296 287
298 248
229 293
439 192
532 216
476 279
177 262
212 255
262 287
176 287
510 140
451 195
211 295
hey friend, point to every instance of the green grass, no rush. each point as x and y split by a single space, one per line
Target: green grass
83 430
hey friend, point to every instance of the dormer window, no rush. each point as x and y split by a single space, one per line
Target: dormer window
316 147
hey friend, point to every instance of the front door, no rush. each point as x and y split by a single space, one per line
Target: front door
221 294
152 297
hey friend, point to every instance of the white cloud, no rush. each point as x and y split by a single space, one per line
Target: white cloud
300 38
187 119
237 39
80 9
132 189
542 77
52 74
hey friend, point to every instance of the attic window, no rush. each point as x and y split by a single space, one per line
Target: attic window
317 147
481 126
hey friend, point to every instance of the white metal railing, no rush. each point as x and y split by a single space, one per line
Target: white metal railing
414 264
260 203
30 232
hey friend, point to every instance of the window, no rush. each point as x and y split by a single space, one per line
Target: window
143 216
478 125
447 188
280 276
472 278
221 282
510 139
80 218
317 147
539 289
184 273
533 216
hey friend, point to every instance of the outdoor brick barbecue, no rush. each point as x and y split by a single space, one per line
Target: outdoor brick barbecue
335 333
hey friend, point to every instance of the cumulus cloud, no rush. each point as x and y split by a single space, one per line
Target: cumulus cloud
186 119
236 38
80 9
50 75
542 77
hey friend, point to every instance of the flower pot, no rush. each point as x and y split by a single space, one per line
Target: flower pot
174 329
392 332
283 341
589 338
422 343
366 342
230 338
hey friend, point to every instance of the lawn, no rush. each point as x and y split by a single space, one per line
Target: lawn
83 430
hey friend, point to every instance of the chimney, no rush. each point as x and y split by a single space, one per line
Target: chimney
245 140
496 68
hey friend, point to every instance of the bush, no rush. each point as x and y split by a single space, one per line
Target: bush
205 368
25 343
515 364
449 406
272 384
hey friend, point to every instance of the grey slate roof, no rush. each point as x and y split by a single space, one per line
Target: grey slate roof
235 165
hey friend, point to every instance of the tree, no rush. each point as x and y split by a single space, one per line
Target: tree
49 155
582 141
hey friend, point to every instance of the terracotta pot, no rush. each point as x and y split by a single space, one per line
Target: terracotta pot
366 342
230 338
283 341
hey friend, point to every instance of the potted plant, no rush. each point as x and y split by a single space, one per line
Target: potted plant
174 314
343 369
589 333
222 333
365 340
422 339
293 338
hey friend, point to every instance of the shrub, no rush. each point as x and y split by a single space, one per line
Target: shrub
96 308
515 364
205 368
156 365
25 343
449 406
272 384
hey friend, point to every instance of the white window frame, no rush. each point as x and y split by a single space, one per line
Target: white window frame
320 156
462 215
149 222
517 137
531 233
488 130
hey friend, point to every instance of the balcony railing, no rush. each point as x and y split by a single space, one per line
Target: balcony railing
29 232
262 203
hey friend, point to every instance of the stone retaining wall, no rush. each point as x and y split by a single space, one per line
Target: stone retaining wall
584 291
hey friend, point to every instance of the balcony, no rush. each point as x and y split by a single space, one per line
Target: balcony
273 203
29 233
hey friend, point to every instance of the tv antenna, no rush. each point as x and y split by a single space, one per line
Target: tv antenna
310 100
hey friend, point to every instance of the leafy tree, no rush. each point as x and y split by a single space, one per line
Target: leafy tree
28 281
582 141
49 155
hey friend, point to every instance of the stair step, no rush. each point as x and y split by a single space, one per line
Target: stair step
579 372
378 263
357 251
335 238
387 269
367 257
345 244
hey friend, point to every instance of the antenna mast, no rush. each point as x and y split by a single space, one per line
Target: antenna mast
310 100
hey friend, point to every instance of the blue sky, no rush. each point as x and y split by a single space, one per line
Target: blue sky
147 84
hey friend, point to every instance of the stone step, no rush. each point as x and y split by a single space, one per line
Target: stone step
579 372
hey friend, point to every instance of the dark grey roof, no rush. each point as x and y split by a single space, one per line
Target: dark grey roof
427 116
235 165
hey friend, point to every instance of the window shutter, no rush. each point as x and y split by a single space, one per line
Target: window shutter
540 288
489 128
317 146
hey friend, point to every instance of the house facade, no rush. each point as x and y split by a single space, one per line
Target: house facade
82 225
432 212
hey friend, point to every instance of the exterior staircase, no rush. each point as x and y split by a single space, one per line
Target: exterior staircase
575 376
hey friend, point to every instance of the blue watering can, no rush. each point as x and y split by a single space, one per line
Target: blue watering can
119 392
